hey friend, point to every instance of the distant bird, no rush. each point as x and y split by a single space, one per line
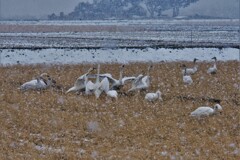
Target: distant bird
206 111
187 79
80 83
141 82
193 70
38 83
213 69
153 96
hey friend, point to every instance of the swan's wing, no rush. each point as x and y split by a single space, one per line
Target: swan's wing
146 80
80 81
104 85
138 80
111 79
127 79
106 75
101 76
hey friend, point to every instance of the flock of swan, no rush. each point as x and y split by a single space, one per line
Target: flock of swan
105 83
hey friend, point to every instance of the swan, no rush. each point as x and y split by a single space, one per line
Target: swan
112 94
191 70
206 111
153 96
116 84
80 83
187 79
38 83
98 87
213 69
141 82
102 86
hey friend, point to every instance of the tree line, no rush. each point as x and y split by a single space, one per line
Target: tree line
123 9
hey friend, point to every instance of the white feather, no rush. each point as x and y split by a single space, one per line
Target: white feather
153 96
206 111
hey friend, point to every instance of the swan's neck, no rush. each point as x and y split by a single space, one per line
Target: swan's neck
121 74
185 72
158 93
85 79
148 72
195 66
214 65
44 80
98 72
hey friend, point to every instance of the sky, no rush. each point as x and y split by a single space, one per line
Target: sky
42 8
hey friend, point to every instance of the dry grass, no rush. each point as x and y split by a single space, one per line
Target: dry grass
53 125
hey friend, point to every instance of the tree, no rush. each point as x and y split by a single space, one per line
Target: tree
126 8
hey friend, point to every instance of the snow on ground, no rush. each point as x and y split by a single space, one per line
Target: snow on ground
77 56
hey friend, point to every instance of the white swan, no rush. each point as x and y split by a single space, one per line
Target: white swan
187 79
81 82
206 111
213 69
193 70
153 96
141 82
38 83
103 86
112 94
98 87
117 84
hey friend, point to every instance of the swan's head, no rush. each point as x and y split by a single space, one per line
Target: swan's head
183 66
215 58
92 69
44 74
195 59
217 108
159 92
150 67
51 81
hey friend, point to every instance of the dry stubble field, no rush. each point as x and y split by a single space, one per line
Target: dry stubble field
54 125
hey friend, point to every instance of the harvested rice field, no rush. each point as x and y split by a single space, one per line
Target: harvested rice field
51 124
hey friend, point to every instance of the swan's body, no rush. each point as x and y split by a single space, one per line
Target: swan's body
80 83
141 82
206 111
213 69
153 96
193 70
38 83
112 94
187 79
